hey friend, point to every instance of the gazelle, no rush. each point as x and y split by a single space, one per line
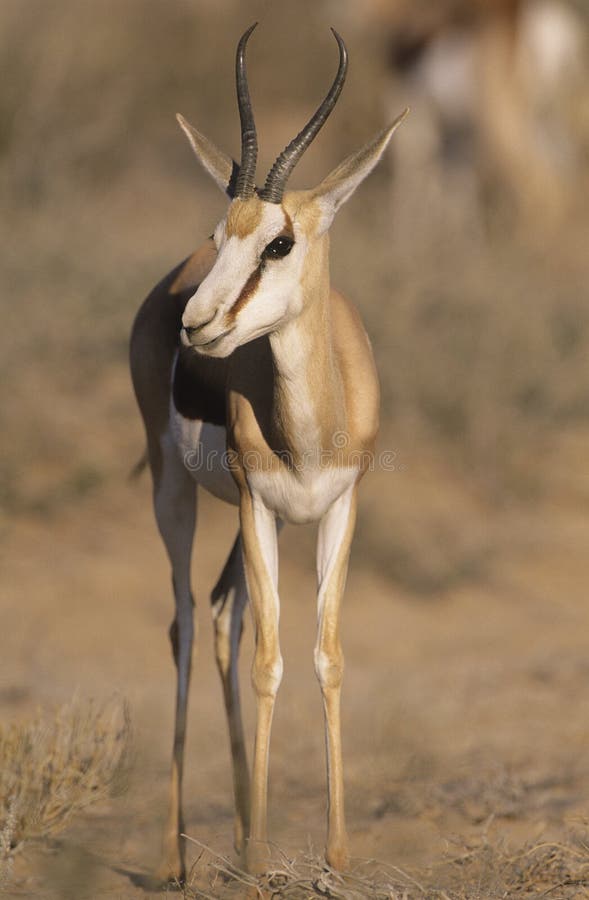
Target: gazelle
245 347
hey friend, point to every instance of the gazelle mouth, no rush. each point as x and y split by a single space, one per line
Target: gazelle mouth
208 345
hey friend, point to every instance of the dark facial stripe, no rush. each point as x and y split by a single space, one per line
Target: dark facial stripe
247 291
288 229
251 285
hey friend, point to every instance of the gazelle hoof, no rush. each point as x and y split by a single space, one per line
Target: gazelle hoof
256 857
170 872
338 858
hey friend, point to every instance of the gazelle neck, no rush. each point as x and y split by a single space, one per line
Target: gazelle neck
308 403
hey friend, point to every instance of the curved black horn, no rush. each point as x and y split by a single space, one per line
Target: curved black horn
279 173
245 183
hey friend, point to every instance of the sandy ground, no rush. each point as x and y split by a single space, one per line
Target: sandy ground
464 714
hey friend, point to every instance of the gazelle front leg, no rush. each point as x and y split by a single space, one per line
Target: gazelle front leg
258 529
333 550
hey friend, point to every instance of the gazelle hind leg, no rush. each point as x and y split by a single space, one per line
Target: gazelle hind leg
228 599
175 511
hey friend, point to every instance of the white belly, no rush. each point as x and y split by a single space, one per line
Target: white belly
301 496
203 448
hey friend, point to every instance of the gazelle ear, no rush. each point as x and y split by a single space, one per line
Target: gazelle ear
221 167
341 183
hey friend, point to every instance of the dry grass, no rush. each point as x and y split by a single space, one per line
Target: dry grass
55 766
7 838
485 869
482 869
490 870
306 875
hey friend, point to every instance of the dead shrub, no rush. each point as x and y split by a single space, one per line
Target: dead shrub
56 765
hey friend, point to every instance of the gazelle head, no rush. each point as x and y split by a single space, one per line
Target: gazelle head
269 239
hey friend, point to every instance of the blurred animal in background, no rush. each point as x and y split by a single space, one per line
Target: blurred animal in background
256 380
496 88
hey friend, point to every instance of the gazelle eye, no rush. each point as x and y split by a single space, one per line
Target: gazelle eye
279 247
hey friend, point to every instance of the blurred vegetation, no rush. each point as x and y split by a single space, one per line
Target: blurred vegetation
54 766
481 335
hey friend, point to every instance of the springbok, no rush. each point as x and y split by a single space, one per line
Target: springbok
256 380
